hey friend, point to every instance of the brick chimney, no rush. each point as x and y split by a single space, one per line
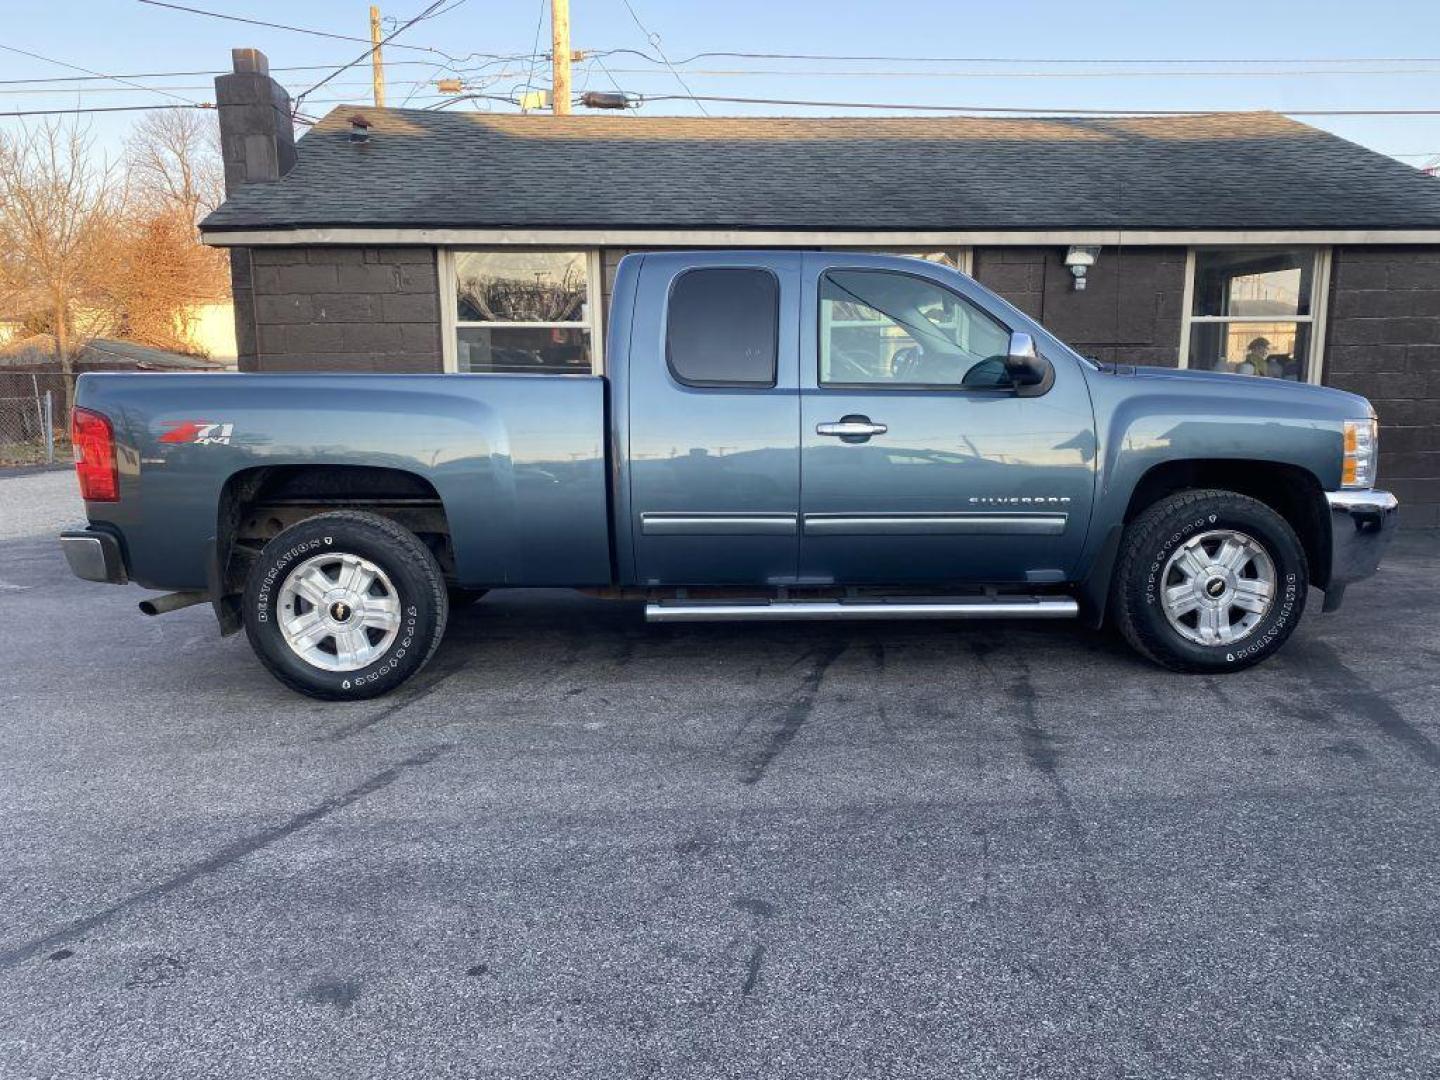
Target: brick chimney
257 145
257 136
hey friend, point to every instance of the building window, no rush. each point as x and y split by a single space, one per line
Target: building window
523 312
1255 311
722 327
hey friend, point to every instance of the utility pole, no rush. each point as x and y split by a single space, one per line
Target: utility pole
560 57
377 62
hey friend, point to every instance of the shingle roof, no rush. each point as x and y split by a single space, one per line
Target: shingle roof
1209 171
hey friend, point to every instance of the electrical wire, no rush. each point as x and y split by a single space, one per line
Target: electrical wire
416 83
1041 111
654 40
339 37
1029 59
428 11
187 74
272 25
96 74
810 73
535 47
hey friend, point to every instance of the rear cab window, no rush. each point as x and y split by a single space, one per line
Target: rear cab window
722 326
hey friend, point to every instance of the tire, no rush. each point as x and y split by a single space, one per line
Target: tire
399 616
1173 555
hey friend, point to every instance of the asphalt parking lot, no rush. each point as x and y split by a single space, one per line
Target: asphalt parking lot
582 846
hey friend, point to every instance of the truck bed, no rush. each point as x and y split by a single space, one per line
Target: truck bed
518 462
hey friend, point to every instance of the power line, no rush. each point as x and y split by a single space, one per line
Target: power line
100 109
1038 110
429 10
534 48
1032 59
96 74
654 40
195 74
83 90
272 25
934 74
328 34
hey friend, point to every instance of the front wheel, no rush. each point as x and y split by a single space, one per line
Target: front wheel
346 605
1209 581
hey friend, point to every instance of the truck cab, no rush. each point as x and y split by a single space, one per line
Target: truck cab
824 418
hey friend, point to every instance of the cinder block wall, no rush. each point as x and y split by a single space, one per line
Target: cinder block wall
1383 341
1129 310
338 309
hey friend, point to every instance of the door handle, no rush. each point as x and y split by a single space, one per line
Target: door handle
851 427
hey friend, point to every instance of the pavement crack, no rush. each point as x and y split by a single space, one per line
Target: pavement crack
411 695
220 860
791 716
1346 688
752 970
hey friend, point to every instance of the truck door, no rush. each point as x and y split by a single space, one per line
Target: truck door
919 462
713 419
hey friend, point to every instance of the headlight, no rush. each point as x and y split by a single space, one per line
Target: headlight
1362 447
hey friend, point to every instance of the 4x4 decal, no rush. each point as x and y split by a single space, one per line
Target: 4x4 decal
198 432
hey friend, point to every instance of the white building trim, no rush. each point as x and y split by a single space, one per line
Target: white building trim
751 238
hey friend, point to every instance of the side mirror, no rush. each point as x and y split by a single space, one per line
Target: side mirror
1025 366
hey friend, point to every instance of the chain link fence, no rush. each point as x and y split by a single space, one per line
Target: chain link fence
33 428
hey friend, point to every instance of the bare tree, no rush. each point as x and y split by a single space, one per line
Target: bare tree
59 211
165 272
174 159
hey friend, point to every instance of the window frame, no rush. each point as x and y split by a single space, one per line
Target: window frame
451 324
821 384
964 255
775 351
1319 302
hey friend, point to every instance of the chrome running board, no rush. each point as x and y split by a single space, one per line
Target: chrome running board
980 607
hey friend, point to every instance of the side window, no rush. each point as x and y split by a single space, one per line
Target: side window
882 328
722 326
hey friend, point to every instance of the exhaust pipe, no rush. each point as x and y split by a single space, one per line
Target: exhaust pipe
174 601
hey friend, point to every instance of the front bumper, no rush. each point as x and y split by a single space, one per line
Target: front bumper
1362 524
94 556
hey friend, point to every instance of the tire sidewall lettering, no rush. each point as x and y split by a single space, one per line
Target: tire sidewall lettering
417 635
1146 579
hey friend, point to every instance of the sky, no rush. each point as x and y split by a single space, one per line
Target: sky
1048 54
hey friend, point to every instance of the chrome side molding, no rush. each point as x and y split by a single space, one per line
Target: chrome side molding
957 524
667 524
983 607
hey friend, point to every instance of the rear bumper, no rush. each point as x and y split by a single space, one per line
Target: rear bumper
1362 524
94 556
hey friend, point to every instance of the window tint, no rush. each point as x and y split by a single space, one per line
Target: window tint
722 327
879 327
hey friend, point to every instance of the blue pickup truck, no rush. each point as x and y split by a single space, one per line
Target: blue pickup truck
778 435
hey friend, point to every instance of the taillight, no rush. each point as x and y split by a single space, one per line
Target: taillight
94 443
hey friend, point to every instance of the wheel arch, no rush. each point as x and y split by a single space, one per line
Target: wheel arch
1293 492
258 503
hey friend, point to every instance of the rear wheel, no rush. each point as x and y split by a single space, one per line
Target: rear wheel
345 605
1209 581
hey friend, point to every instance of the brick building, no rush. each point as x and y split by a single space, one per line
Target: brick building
420 240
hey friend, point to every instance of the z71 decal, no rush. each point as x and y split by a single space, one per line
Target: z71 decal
199 432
